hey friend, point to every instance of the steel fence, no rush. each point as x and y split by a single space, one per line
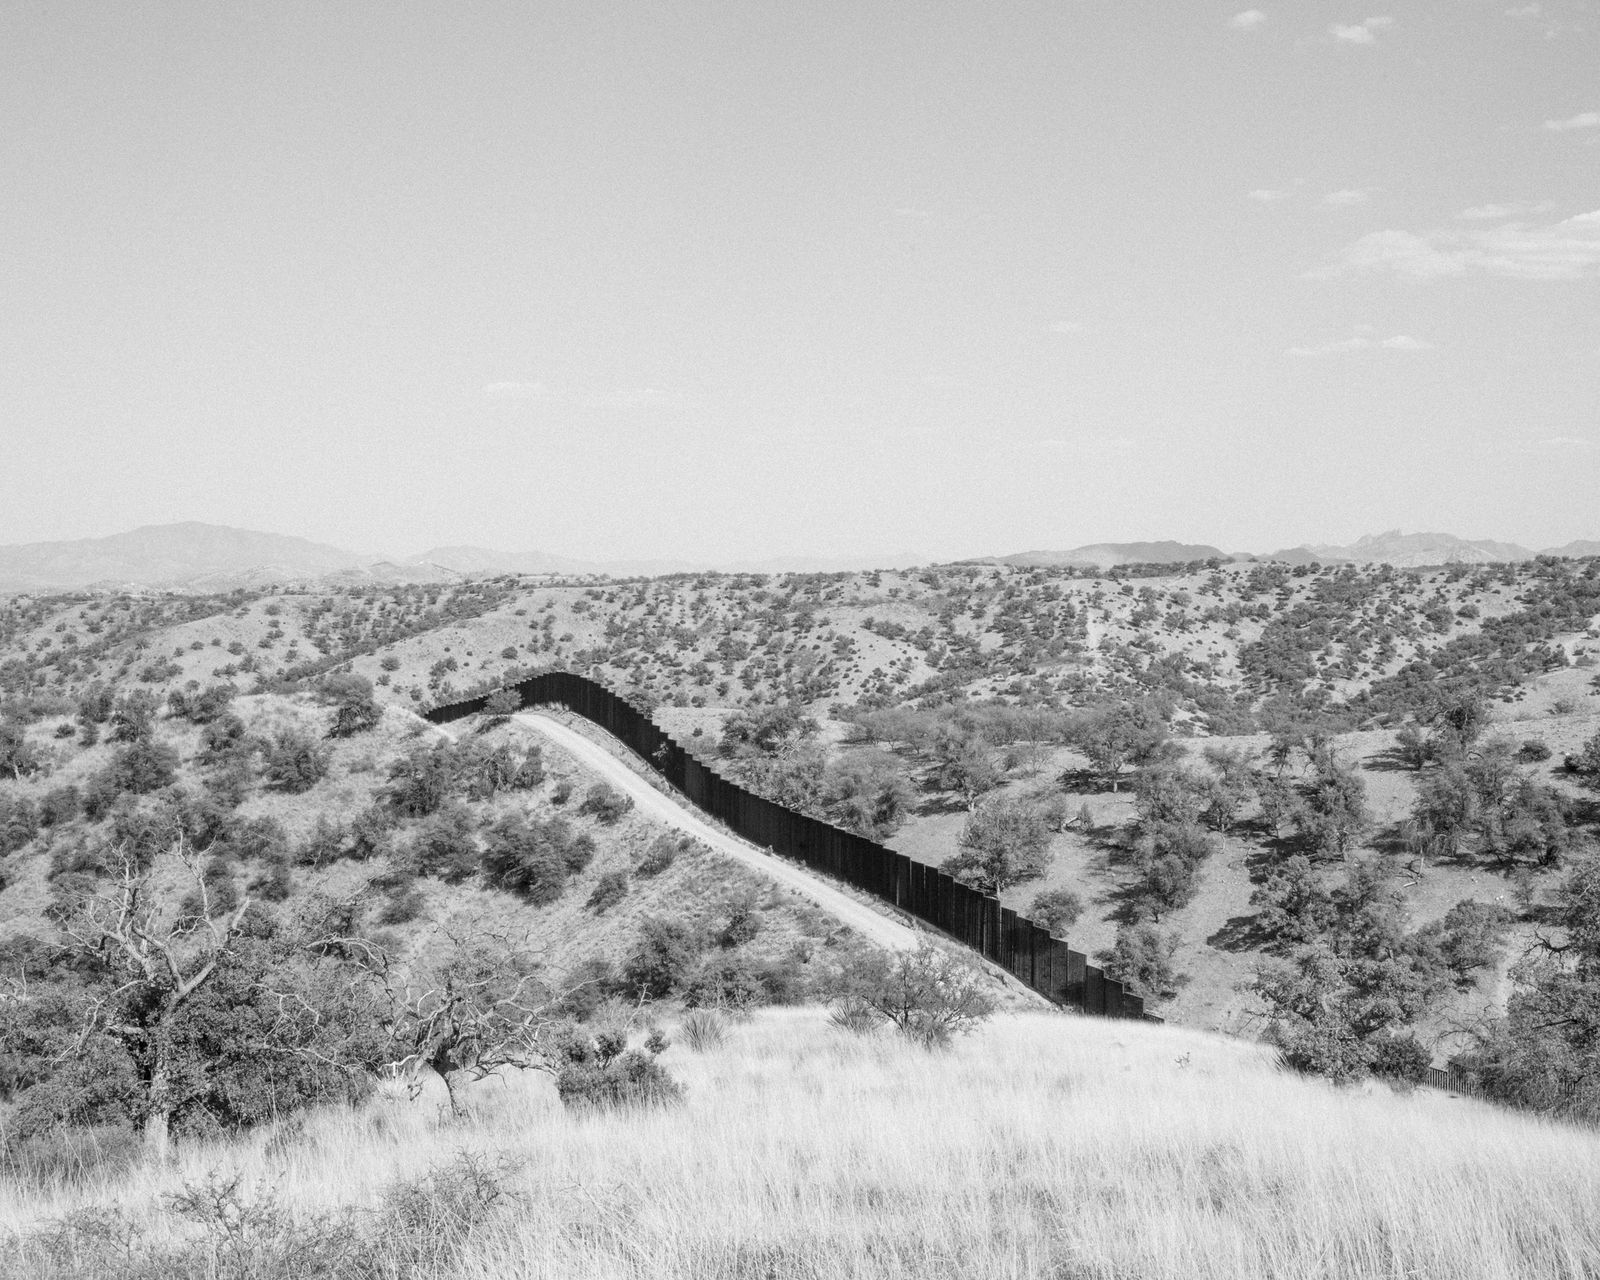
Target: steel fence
1038 960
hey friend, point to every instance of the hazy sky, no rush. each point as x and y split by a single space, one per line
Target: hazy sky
747 278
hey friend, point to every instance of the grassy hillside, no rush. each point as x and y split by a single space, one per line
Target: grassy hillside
1041 1145
1223 653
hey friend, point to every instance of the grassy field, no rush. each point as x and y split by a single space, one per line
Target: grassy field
1043 1145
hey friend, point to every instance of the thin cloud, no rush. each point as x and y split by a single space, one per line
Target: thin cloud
1361 32
1248 20
1499 212
1067 326
1268 195
1567 442
1347 197
1526 11
1583 120
1565 250
1362 341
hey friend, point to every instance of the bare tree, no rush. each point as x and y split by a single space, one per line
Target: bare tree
483 1009
164 960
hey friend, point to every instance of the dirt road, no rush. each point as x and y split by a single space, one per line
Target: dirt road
681 814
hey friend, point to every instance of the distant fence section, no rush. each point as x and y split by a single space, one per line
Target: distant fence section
1022 948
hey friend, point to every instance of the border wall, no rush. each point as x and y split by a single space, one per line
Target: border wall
1028 952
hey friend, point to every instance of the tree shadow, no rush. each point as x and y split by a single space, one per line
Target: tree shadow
1082 782
1389 760
1240 933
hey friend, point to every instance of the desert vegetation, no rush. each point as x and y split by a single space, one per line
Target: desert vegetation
1060 1147
1344 811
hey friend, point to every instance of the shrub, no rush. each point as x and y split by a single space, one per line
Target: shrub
589 984
425 1221
295 762
60 805
404 904
143 766
133 716
19 822
325 844
532 859
18 757
661 854
1533 750
1401 1058
504 703
354 710
1141 959
608 890
446 846
421 781
929 995
562 792
703 1029
1056 910
743 923
661 959
203 707
602 1072
605 802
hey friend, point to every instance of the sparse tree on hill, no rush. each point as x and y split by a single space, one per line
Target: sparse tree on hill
1116 736
1003 843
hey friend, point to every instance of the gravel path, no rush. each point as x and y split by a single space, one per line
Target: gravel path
672 811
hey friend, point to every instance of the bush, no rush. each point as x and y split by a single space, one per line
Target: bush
354 710
561 793
143 766
203 707
605 803
703 1029
325 845
929 995
19 823
608 890
421 781
1141 959
445 845
661 854
1056 910
505 703
532 858
1533 750
743 923
603 1073
294 762
1401 1058
661 959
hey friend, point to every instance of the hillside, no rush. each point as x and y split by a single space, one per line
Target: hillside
1226 657
1056 1146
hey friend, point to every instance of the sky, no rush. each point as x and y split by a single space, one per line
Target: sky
731 280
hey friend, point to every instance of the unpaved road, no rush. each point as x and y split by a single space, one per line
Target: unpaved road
681 814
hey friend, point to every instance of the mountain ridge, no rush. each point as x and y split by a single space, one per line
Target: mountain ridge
197 556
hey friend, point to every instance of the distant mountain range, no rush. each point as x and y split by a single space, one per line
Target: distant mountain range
193 556
1107 555
1403 550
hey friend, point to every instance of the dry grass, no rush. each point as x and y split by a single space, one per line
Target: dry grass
1041 1146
